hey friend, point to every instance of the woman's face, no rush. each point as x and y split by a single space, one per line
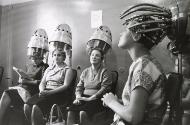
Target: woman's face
95 57
58 57
36 60
125 39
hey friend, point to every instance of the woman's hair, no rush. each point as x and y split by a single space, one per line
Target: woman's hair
148 39
146 42
61 52
150 21
98 49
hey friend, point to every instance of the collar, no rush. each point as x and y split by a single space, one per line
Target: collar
59 68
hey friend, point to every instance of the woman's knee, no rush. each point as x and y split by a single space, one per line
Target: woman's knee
36 112
70 118
5 99
35 108
83 114
27 108
70 113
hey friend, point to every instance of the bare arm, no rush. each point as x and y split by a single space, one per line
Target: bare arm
69 76
80 86
134 112
105 85
29 82
43 82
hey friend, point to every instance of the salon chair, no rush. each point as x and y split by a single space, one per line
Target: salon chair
173 90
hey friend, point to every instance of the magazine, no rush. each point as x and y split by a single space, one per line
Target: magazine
21 73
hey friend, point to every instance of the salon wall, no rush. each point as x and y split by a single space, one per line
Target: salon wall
0 16
17 24
1 88
4 45
20 20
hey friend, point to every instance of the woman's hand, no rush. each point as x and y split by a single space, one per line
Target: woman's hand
22 81
108 98
76 102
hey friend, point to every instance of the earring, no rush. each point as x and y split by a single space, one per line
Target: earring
136 36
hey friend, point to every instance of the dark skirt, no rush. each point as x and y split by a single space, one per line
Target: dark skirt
46 103
90 107
16 100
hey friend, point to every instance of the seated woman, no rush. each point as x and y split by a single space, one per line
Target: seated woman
54 89
94 82
143 97
18 95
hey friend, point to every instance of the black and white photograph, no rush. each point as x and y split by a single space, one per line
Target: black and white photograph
94 62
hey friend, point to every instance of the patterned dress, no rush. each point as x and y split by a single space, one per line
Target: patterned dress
147 73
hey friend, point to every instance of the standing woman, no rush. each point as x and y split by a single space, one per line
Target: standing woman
143 97
54 89
94 82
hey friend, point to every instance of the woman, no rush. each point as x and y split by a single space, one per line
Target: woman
94 82
54 89
143 100
18 95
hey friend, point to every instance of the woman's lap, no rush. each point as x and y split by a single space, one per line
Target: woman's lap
46 104
91 107
16 100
